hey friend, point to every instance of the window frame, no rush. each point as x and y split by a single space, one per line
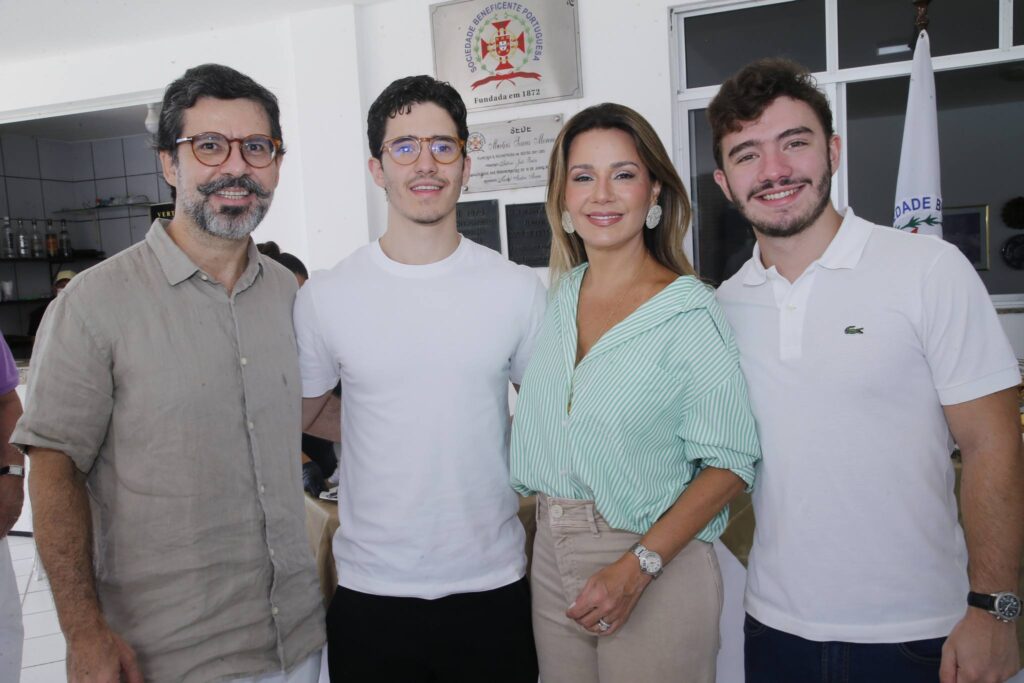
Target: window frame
833 82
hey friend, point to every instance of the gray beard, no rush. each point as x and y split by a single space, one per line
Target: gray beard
231 223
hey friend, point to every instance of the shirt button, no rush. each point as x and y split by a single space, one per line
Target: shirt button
204 278
557 512
274 611
263 488
271 552
245 361
251 425
790 307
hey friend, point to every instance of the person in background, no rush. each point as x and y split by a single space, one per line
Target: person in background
163 404
424 328
319 461
59 283
12 495
632 425
865 349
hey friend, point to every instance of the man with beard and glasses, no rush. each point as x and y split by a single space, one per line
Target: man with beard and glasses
865 349
425 329
163 418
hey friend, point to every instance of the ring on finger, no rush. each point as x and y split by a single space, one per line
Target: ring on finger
603 625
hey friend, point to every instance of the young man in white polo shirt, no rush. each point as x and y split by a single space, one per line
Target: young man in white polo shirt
424 329
865 349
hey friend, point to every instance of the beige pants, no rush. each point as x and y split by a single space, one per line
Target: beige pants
672 634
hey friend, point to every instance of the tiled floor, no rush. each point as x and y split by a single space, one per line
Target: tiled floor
42 659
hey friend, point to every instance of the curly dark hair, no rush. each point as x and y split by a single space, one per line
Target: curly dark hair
210 80
746 95
399 97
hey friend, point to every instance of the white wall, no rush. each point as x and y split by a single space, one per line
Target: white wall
326 66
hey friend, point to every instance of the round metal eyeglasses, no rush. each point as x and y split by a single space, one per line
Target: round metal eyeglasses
406 149
213 149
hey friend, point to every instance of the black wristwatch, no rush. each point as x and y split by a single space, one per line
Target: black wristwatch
13 471
1003 606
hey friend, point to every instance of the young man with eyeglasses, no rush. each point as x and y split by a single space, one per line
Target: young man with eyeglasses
425 329
163 422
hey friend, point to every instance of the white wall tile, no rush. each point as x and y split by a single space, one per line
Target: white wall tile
143 184
85 194
24 198
111 188
33 282
54 672
165 190
21 158
139 157
107 158
81 161
115 235
55 160
58 196
43 650
140 226
85 234
37 602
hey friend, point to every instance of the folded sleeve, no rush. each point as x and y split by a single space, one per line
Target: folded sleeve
70 393
718 430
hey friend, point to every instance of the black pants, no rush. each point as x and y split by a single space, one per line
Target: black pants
463 638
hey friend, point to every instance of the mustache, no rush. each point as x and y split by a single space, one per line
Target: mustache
242 182
768 185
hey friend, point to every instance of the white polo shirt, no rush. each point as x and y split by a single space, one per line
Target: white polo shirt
848 368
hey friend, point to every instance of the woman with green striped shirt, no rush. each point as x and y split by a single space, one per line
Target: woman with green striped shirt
632 423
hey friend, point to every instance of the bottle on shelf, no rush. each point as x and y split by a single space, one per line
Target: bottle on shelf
21 239
7 249
52 243
38 250
64 242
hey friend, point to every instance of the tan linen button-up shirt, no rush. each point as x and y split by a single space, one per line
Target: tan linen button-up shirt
181 403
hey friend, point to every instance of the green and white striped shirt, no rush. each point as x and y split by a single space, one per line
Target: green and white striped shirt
658 397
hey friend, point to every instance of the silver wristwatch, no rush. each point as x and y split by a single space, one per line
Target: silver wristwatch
13 471
1003 606
650 561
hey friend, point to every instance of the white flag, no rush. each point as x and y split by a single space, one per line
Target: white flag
918 206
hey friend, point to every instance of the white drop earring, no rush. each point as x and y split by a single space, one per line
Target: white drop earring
567 223
653 217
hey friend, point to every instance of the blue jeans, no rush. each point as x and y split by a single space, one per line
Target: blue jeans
772 656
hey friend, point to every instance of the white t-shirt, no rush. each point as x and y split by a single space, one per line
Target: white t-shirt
424 354
848 369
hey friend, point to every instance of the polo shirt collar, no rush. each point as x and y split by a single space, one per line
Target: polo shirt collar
844 251
178 267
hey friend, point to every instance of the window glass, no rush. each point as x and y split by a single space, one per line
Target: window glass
723 238
980 144
717 45
880 31
1018 22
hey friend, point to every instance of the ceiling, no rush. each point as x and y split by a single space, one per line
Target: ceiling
96 125
41 29
38 29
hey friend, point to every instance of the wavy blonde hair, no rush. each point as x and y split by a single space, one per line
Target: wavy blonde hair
665 242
